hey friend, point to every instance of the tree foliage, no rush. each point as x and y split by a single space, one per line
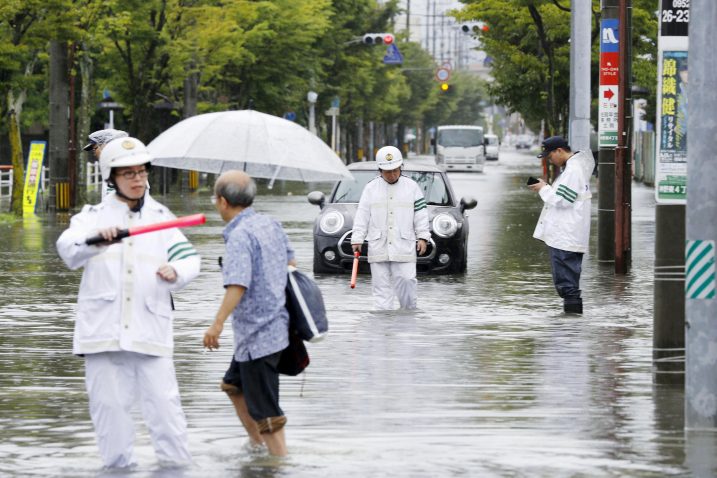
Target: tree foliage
528 41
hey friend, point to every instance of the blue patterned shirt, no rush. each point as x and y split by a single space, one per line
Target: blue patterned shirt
257 253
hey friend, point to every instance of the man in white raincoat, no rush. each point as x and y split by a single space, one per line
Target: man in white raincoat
564 223
393 219
123 326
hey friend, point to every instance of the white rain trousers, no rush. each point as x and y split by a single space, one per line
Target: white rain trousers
389 279
115 381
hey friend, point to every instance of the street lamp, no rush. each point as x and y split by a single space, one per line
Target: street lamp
311 97
111 105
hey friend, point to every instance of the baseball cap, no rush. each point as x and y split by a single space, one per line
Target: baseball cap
103 136
553 143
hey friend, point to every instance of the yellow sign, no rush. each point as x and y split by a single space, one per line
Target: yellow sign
33 176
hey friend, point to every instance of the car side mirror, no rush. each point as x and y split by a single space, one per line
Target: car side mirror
317 198
468 202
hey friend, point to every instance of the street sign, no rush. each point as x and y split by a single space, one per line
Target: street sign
393 56
442 74
672 58
290 115
609 71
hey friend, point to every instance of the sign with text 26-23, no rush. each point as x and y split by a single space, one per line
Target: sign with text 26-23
671 154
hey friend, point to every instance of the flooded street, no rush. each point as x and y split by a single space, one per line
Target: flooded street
487 378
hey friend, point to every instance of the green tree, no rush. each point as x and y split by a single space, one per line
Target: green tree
25 28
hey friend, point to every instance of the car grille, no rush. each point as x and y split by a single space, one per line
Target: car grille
345 248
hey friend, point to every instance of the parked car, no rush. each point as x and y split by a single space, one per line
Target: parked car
492 147
447 249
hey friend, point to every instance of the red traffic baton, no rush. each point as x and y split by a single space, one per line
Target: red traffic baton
185 221
354 271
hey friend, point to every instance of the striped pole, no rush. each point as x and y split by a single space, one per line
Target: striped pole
700 300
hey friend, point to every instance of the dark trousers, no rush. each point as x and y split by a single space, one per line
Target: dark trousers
566 267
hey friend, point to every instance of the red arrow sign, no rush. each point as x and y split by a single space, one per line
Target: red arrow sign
608 94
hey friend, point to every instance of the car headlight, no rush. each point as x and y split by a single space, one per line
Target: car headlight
331 222
445 225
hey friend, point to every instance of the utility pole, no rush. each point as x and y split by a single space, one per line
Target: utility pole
607 132
434 29
670 194
408 20
580 28
701 299
623 165
59 127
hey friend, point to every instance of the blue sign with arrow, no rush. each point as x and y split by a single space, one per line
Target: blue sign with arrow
393 56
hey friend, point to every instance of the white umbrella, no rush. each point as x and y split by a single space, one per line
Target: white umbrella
262 145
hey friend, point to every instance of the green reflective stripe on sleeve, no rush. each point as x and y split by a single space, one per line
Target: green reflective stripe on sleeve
419 204
193 253
179 244
184 250
563 195
418 208
567 191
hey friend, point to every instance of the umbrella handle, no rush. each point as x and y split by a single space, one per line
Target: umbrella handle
354 271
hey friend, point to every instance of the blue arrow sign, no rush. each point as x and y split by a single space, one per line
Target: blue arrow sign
393 56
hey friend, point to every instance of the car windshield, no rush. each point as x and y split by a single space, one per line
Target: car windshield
431 183
492 140
462 138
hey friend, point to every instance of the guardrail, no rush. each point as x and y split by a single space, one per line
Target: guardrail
94 179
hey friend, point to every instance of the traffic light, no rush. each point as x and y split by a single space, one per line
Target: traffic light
474 28
378 38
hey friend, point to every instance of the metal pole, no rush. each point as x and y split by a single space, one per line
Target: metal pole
622 207
701 301
408 20
606 174
580 43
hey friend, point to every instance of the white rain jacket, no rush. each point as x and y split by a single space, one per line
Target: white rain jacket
390 217
565 220
122 303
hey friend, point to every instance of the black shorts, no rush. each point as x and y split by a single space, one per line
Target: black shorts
258 380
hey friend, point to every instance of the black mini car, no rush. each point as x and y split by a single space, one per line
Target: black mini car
447 252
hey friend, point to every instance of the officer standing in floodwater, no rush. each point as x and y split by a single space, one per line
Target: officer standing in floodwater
564 223
391 215
123 327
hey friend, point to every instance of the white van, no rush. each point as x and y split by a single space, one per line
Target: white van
492 147
460 148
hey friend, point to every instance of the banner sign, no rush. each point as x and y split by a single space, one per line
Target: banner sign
609 71
33 176
671 154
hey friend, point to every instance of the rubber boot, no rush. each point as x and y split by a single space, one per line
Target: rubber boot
573 308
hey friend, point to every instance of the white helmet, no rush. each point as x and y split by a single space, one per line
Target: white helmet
388 158
123 152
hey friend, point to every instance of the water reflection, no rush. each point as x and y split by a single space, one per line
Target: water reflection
488 378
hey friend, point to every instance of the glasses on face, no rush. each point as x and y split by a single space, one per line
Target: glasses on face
131 174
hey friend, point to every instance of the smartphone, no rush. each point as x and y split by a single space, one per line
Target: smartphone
532 180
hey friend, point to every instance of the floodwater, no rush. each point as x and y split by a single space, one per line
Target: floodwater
487 378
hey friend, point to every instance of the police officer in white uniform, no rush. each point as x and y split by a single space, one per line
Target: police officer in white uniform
123 326
393 219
